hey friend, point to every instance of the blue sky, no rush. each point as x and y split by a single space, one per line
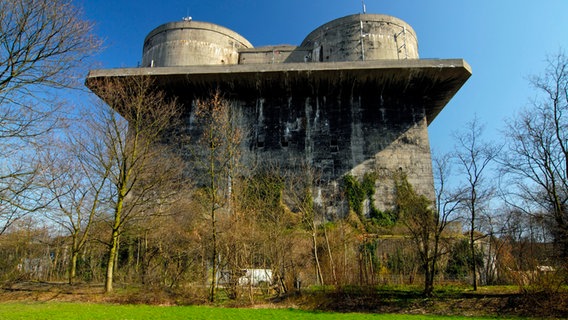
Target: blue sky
504 41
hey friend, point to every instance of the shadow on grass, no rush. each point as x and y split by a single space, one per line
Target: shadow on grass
452 301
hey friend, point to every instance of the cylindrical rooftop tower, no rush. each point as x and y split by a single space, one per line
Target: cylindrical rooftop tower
190 43
363 37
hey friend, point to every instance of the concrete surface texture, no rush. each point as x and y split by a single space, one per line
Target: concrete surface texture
363 37
187 43
353 98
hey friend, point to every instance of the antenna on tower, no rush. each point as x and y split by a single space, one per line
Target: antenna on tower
187 17
364 7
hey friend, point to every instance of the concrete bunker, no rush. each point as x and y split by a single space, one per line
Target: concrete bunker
353 98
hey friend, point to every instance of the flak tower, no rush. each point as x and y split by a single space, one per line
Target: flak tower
353 98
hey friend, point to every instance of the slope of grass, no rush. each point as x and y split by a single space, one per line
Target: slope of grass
64 311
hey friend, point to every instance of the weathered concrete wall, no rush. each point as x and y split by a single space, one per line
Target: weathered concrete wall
337 132
274 54
187 43
409 153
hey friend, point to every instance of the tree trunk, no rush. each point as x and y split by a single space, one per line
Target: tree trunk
331 262
316 258
73 266
111 259
428 279
428 262
472 252
213 257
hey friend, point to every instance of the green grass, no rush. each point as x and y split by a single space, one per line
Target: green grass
58 310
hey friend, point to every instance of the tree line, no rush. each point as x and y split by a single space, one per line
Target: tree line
95 193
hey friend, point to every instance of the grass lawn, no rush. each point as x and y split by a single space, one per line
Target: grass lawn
60 310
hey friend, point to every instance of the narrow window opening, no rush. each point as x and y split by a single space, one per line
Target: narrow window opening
333 145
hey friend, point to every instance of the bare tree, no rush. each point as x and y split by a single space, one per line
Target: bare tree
474 156
76 186
216 155
143 172
537 155
43 44
300 197
17 188
278 236
448 201
426 223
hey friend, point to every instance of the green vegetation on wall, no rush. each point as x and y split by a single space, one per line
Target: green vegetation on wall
357 192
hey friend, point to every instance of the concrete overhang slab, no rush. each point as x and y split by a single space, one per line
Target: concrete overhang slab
426 83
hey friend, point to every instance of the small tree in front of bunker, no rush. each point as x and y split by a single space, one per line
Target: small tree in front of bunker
216 158
425 222
299 195
143 173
